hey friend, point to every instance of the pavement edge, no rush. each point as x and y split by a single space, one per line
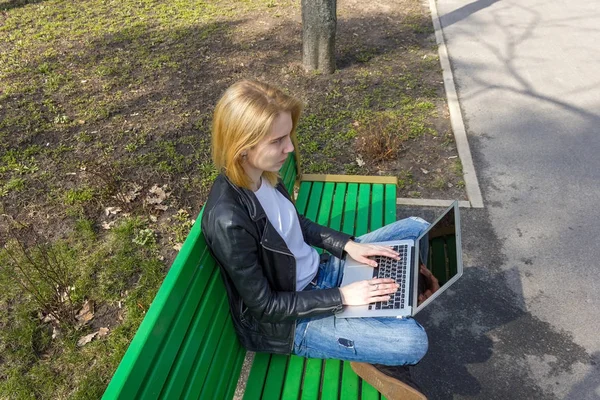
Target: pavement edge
456 118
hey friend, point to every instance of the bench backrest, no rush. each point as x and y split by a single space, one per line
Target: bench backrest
186 346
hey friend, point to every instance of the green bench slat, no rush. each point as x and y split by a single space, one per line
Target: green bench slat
369 392
350 209
275 376
285 168
339 199
314 201
326 204
303 194
256 379
202 363
331 378
293 377
377 205
195 338
216 383
172 341
362 215
350 382
290 175
390 204
312 379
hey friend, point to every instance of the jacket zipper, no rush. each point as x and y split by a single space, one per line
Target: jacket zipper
276 251
293 336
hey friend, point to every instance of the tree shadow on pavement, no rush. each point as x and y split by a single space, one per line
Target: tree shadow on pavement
483 343
465 11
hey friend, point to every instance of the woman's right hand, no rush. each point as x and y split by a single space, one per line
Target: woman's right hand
369 291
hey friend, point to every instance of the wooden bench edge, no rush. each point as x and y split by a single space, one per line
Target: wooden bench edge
349 178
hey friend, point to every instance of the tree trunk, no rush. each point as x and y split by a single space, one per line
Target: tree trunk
318 35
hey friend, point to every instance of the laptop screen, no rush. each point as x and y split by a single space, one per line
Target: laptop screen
440 254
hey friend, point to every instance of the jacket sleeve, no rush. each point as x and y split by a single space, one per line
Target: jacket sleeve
237 252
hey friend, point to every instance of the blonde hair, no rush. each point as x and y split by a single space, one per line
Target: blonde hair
242 118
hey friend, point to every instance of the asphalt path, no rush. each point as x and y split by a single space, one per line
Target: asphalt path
524 321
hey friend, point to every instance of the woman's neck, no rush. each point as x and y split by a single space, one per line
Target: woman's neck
255 177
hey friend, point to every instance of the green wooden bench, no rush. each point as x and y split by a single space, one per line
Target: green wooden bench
186 346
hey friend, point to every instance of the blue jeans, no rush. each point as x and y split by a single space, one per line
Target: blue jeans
389 341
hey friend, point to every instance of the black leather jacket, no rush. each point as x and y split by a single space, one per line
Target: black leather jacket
259 271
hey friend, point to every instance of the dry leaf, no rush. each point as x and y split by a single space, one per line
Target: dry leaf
108 225
424 171
161 207
131 195
49 318
159 195
86 313
451 157
360 161
177 246
55 332
153 218
86 339
112 210
102 332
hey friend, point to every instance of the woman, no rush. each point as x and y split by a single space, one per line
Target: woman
282 295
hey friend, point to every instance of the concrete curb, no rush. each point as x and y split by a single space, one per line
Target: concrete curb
431 202
456 119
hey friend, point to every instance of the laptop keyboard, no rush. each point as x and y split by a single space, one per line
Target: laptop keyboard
395 269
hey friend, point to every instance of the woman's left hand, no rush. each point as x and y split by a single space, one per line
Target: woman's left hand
360 252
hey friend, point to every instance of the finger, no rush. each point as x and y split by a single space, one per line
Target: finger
384 288
373 250
387 252
368 261
376 281
373 299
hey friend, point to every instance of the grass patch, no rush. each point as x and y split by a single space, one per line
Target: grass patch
99 268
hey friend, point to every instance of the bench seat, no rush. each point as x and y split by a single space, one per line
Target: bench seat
186 347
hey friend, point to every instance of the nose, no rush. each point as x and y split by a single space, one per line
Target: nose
289 145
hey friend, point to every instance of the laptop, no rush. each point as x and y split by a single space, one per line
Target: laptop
438 248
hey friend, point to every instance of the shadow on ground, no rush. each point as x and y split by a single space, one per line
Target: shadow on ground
483 342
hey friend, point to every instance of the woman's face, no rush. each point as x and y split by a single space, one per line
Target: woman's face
272 151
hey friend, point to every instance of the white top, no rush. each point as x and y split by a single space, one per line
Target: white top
282 215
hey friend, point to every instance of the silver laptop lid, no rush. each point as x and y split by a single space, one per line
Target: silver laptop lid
444 255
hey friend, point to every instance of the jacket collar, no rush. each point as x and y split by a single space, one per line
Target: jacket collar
251 201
